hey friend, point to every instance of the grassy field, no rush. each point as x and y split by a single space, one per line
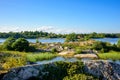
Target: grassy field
40 56
110 55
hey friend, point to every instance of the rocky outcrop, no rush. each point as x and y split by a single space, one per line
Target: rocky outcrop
92 56
104 70
25 73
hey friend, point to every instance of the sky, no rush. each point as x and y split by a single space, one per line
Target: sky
60 16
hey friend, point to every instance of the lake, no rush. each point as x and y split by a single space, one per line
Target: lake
58 59
43 40
61 40
111 40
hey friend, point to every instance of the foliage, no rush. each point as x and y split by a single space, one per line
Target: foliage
54 50
10 59
71 37
102 46
37 34
70 45
118 44
33 57
13 62
78 51
37 41
110 55
21 44
66 71
7 45
80 77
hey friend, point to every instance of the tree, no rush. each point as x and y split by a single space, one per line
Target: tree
21 44
8 43
71 37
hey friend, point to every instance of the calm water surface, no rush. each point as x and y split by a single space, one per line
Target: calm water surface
58 59
72 59
43 40
111 40
61 40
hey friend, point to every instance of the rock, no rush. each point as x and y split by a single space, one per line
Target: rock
66 52
104 70
86 56
24 73
66 48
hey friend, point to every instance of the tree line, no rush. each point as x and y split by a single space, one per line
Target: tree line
38 34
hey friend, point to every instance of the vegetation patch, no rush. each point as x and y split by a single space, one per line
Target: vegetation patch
11 59
110 55
67 71
40 56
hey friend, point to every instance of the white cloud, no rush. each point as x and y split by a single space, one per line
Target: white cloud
8 29
43 28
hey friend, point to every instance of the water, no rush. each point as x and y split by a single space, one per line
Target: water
43 40
72 59
58 59
111 40
116 61
61 40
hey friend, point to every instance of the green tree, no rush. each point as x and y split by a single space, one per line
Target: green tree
21 44
71 37
8 43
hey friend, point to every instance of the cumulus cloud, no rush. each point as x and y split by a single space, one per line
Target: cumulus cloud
61 30
52 29
8 29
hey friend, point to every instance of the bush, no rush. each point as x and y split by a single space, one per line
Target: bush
54 50
118 43
80 77
71 37
102 46
21 44
10 59
7 45
12 62
67 71
31 49
78 51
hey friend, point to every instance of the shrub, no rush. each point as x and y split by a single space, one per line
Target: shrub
102 46
80 77
67 71
12 62
118 43
7 45
71 37
78 51
54 50
37 41
20 44
10 59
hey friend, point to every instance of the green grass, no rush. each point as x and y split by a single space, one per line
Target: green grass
40 56
12 59
110 55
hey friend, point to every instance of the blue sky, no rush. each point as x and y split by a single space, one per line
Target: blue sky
60 16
